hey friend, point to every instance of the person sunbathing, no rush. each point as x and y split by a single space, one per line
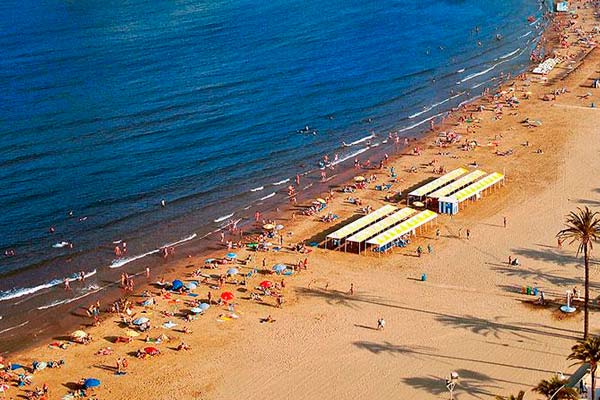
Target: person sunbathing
183 346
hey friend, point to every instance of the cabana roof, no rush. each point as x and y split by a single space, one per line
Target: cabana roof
382 225
438 183
457 185
403 228
478 187
363 222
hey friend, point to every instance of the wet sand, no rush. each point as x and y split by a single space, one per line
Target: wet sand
469 316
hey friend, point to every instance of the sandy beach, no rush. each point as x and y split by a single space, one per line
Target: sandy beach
469 315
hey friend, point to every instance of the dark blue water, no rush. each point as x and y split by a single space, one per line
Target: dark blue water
108 107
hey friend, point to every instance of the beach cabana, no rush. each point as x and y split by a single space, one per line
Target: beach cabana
341 234
420 193
475 190
362 236
384 241
457 185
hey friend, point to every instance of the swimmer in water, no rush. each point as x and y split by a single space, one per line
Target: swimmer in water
163 203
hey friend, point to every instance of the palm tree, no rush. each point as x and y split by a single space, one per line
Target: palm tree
583 227
587 352
519 396
553 388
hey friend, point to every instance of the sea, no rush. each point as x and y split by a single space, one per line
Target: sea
108 108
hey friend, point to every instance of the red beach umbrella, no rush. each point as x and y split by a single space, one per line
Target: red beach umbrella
265 284
227 296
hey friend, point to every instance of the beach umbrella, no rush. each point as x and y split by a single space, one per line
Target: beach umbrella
196 310
265 284
231 255
91 383
232 271
359 178
322 201
268 227
78 334
14 367
131 333
278 227
279 268
227 296
191 285
203 306
177 284
140 321
153 351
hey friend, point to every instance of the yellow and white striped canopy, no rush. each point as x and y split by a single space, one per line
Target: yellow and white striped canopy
360 223
410 224
478 187
457 185
381 225
438 183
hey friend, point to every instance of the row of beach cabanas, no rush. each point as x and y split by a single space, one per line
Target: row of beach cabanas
380 230
449 192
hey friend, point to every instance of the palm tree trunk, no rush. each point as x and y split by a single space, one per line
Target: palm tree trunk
593 372
586 317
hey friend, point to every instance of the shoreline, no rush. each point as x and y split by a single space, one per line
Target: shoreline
179 265
206 246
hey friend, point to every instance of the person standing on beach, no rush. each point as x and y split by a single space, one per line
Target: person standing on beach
67 284
380 324
351 291
468 233
504 221
429 248
437 233
147 272
419 251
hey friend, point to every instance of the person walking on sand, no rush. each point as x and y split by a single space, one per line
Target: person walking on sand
351 291
419 251
504 221
468 234
222 237
380 324
459 232
147 272
437 233
429 248
67 284
509 260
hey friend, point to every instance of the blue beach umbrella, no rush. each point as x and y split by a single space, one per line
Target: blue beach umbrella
91 383
232 271
140 321
279 268
196 310
177 284
231 255
204 306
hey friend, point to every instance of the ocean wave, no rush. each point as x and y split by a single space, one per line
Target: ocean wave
223 218
119 262
281 182
86 292
16 293
14 327
525 35
268 196
512 53
60 245
347 157
460 71
431 107
361 140
534 22
420 122
256 189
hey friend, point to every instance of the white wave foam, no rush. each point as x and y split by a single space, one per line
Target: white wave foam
534 22
460 71
512 53
119 262
60 245
223 218
420 122
268 196
256 189
525 35
14 327
16 293
349 156
361 140
281 182
50 305
247 207
431 107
